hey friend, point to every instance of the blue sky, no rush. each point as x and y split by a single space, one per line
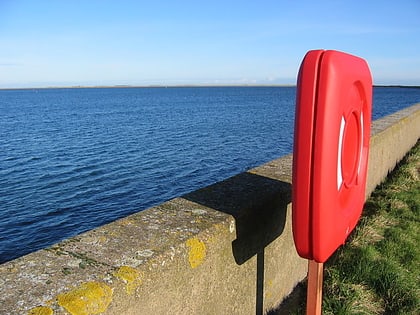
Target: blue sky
59 43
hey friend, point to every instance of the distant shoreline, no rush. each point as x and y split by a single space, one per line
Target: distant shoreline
398 86
122 86
182 86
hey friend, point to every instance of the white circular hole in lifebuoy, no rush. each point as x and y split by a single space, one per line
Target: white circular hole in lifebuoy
340 146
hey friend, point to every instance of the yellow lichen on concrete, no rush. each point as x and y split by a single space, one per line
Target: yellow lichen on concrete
41 310
131 276
196 252
125 222
95 239
88 299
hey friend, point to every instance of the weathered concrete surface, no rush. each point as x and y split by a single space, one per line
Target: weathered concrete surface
224 249
390 141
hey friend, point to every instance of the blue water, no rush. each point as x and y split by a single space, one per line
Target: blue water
74 159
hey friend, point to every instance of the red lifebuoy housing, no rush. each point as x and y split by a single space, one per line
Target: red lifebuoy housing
331 147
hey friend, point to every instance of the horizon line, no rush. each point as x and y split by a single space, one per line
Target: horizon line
143 86
178 86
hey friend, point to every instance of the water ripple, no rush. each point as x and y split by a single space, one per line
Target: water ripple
73 159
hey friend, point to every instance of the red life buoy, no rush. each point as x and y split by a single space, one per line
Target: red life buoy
331 147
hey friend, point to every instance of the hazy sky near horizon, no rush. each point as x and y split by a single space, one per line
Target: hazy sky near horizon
56 43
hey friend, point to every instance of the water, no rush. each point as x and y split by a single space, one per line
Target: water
74 159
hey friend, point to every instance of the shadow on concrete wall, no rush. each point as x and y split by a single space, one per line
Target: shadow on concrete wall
259 206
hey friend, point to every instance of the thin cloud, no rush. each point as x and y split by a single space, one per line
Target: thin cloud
10 64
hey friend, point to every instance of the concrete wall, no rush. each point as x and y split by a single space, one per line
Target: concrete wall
224 249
